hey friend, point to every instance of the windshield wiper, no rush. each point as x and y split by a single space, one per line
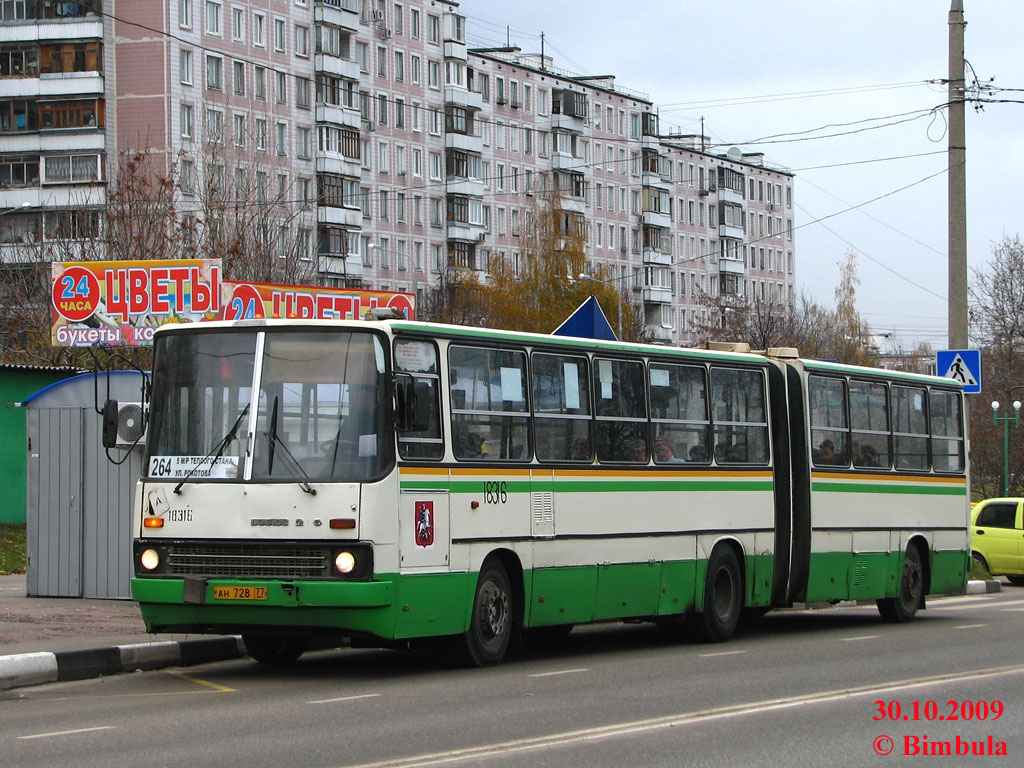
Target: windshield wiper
218 450
276 440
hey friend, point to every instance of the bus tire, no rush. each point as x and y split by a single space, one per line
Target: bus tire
902 608
723 597
274 650
490 625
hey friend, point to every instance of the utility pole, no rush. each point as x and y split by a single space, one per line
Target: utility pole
957 161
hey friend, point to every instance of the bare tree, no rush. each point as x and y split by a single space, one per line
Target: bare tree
996 294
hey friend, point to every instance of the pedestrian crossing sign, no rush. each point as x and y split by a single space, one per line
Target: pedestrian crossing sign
963 365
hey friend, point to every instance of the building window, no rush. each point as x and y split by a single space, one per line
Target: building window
213 16
187 121
184 14
279 35
185 65
301 41
304 143
259 30
302 92
238 68
214 73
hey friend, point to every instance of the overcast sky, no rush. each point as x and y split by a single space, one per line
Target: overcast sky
754 69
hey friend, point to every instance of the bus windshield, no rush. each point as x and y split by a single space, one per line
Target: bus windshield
320 406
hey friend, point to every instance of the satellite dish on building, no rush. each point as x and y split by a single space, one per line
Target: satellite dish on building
735 154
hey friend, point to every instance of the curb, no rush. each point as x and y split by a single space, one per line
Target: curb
979 587
24 669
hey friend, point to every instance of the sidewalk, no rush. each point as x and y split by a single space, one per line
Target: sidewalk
47 639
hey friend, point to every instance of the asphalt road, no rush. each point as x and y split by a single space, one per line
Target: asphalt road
825 687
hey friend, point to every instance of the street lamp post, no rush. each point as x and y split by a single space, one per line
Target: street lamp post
618 304
1007 419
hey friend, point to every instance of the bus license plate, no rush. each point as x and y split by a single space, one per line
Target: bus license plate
239 593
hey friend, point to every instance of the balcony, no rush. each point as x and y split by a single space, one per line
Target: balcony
568 123
727 195
656 181
654 256
337 66
457 185
464 142
731 266
340 264
332 162
654 219
82 28
70 85
455 50
731 230
351 218
466 232
336 115
562 161
659 332
340 13
657 295
461 97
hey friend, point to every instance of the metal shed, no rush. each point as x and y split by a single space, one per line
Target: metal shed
78 501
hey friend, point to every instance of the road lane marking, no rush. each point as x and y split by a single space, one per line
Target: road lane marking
720 653
197 681
855 639
68 733
643 727
560 672
970 626
345 698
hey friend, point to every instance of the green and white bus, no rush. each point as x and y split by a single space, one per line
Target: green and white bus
386 481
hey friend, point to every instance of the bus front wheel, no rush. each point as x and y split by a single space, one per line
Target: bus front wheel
723 597
490 627
275 650
902 608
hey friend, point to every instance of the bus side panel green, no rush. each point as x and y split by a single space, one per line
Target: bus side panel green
627 590
828 577
434 604
874 575
760 571
678 582
949 572
563 596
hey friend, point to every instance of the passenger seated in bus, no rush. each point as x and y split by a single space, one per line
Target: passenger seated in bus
636 450
827 454
580 449
664 451
866 456
720 452
468 445
698 453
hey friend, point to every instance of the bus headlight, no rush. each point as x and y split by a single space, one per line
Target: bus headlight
149 559
345 562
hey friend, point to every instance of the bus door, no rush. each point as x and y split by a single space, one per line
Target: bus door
423 525
800 472
783 466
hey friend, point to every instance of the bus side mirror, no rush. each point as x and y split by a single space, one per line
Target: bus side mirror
109 437
412 403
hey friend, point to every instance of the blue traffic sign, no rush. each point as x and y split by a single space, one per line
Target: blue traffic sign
963 365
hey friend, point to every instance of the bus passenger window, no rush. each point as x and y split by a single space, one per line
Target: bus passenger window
947 431
909 427
830 436
561 408
869 419
679 413
490 415
619 400
739 416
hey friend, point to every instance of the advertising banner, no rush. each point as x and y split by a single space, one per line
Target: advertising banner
121 303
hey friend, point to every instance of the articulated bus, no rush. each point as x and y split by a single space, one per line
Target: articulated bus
385 482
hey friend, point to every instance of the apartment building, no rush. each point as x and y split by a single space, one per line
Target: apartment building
405 152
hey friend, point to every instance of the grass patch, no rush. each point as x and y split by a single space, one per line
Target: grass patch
12 548
978 571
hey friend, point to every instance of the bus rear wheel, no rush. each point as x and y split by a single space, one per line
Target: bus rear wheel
490 626
275 650
723 598
902 608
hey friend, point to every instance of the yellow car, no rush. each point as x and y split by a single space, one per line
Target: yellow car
997 538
